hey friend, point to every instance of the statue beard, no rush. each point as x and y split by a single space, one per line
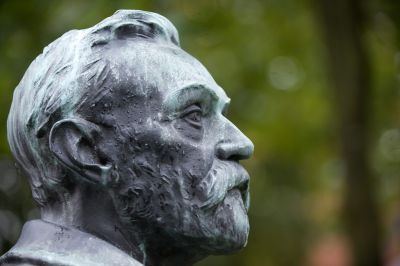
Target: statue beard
206 213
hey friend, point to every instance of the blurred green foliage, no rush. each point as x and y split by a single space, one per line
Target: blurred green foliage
270 58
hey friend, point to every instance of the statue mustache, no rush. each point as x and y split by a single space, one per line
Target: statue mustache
222 178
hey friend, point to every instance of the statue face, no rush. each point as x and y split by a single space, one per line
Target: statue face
174 151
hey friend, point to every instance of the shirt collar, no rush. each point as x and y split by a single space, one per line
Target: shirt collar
58 245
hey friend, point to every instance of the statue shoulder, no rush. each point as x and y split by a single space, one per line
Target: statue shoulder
44 244
10 259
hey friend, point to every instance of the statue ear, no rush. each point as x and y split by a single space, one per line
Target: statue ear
72 141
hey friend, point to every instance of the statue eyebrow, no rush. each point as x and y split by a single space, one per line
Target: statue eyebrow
188 95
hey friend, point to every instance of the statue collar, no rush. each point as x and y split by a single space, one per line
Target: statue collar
50 244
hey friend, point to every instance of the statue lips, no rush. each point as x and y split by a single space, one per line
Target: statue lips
241 192
236 195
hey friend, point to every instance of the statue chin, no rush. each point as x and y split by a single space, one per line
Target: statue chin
233 223
227 230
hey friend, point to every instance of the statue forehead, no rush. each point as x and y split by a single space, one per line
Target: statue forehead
167 68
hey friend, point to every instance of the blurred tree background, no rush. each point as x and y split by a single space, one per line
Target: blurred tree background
314 84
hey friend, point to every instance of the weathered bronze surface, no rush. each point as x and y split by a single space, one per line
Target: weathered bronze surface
128 151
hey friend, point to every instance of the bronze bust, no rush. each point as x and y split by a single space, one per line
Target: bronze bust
130 157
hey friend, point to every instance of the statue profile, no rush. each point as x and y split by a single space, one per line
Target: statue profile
127 149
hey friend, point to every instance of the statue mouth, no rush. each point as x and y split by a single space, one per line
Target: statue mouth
241 193
245 193
222 180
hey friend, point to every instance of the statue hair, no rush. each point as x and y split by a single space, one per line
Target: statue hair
64 77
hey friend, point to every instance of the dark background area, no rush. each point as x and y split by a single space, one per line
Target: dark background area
314 84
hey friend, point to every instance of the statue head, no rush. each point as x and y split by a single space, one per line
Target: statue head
124 135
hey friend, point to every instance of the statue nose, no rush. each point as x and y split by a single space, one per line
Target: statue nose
234 145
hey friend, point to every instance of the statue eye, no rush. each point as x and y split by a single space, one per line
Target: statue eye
193 115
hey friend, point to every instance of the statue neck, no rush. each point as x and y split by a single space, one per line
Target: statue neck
93 211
